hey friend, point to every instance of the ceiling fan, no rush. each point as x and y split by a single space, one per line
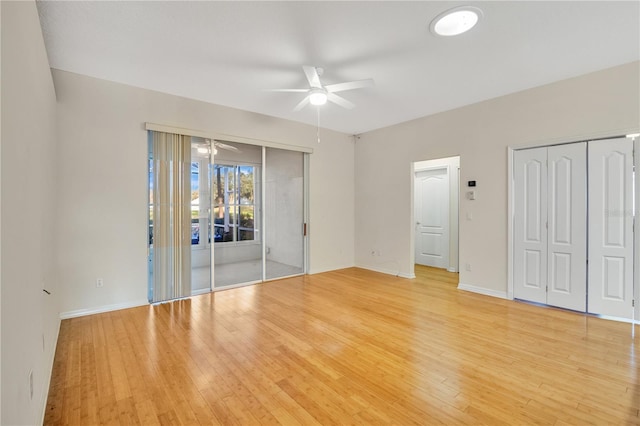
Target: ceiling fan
317 94
203 148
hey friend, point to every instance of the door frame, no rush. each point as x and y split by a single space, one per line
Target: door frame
562 141
454 225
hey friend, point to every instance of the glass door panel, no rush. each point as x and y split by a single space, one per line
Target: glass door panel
236 184
284 213
200 212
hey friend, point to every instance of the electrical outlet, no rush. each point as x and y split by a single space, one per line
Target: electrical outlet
467 267
99 282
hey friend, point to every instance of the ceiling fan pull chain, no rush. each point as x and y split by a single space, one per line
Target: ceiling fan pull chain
318 134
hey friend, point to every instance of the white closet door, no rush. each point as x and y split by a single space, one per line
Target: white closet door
611 227
567 233
530 233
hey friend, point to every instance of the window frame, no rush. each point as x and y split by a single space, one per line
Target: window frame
204 203
257 207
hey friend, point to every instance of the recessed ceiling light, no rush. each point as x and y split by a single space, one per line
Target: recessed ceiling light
455 21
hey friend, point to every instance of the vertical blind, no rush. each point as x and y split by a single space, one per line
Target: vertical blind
171 167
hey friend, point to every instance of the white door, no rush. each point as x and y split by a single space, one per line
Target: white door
432 217
611 227
530 233
567 231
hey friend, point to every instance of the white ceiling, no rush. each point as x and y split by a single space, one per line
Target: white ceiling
228 53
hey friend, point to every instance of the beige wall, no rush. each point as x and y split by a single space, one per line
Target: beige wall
102 199
30 318
597 104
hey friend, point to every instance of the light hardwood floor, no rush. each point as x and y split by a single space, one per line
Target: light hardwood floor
345 347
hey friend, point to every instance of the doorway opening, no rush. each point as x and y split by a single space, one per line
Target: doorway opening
435 195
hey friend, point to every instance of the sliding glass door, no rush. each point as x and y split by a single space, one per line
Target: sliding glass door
222 214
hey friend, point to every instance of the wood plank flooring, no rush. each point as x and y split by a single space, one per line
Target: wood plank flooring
345 347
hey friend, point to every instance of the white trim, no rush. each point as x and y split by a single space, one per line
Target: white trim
101 309
306 210
45 389
610 318
395 273
482 290
451 269
263 211
636 236
510 216
576 138
313 271
223 137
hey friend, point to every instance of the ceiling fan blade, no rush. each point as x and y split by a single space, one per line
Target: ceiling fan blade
287 90
340 101
312 76
350 85
302 104
225 146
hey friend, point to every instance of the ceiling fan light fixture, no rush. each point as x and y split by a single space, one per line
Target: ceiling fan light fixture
318 97
455 21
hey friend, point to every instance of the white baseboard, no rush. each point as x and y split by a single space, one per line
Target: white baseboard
450 269
314 271
482 290
387 271
101 309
